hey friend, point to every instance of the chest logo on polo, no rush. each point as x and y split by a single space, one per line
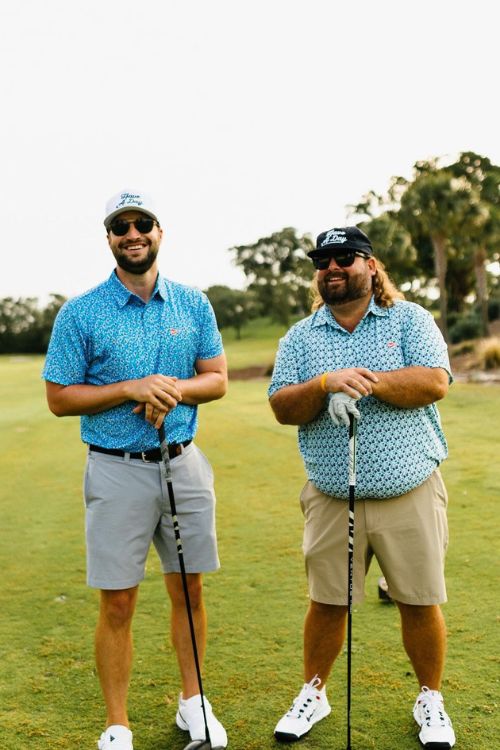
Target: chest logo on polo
391 344
174 331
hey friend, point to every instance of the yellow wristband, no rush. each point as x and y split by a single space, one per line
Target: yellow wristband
322 382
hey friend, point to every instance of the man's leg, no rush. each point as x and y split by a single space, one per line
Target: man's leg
324 633
424 638
113 648
181 637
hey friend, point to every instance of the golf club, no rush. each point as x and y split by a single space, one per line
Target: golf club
205 744
350 564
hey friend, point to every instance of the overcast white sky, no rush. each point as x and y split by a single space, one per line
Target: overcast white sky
240 117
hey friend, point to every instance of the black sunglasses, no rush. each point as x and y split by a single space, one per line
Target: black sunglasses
344 260
143 225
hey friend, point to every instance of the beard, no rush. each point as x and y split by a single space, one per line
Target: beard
353 286
137 267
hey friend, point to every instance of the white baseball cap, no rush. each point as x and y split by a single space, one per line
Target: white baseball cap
127 200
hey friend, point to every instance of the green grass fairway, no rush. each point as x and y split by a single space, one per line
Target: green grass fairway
257 345
49 693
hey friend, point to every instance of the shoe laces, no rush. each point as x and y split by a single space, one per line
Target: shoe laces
431 702
307 696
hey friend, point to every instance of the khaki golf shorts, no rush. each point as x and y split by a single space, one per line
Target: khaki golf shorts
127 508
408 535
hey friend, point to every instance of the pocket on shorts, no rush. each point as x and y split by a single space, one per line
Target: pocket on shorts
440 489
206 464
95 478
305 496
192 462
440 506
86 481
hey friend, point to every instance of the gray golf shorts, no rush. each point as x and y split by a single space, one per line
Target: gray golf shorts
127 508
407 534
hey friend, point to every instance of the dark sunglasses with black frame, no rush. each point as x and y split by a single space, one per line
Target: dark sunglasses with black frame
344 260
144 225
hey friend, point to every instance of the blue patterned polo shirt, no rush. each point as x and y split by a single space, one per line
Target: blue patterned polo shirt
397 449
109 334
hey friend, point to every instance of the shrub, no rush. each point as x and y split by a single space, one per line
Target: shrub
489 353
466 327
464 347
494 308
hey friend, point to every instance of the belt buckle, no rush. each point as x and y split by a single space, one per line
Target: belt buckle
146 460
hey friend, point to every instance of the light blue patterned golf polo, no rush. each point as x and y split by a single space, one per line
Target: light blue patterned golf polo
397 449
109 334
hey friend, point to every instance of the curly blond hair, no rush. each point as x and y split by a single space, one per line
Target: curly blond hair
385 292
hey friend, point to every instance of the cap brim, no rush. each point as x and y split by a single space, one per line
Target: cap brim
109 219
333 250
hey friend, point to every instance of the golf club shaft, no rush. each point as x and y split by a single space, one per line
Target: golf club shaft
350 565
168 476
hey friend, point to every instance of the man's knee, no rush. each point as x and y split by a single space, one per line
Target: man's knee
331 611
176 591
117 607
420 611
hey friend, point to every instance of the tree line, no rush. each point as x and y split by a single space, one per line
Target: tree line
25 327
438 234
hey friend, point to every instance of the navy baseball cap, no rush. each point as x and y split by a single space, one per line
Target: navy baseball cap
340 240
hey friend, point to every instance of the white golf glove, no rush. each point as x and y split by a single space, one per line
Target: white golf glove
340 406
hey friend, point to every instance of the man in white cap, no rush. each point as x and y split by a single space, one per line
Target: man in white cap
134 353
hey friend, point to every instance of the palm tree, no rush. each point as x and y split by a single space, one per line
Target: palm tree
441 206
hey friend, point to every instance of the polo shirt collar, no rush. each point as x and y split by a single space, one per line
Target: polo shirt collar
123 295
324 316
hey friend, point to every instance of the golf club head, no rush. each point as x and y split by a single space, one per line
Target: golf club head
201 745
383 591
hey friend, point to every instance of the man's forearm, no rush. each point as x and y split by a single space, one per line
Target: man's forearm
408 388
301 403
204 387
298 404
207 384
75 400
411 387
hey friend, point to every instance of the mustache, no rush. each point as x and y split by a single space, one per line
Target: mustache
335 275
128 243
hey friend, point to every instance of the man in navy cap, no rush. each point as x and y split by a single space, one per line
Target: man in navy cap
365 351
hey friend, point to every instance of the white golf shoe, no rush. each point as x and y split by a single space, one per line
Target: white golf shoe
190 719
116 737
310 706
436 731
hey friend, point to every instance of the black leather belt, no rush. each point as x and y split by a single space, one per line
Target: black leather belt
151 456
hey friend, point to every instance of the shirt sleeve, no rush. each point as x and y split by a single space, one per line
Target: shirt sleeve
424 344
286 370
66 362
210 339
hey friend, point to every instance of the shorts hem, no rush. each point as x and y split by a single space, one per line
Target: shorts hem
114 585
199 569
422 601
336 601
